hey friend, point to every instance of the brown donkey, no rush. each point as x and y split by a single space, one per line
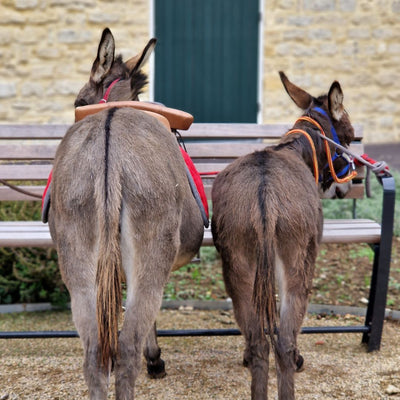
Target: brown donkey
120 205
267 225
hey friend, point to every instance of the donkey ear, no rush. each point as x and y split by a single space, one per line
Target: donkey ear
302 99
105 56
137 62
335 101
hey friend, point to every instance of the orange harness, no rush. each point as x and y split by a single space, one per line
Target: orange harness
348 178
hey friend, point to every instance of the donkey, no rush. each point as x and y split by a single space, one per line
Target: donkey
121 207
267 225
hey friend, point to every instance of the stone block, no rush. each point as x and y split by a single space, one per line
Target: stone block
383 33
32 89
359 33
297 34
394 48
319 5
71 36
103 18
74 4
48 53
319 33
300 20
7 89
22 105
347 5
25 4
12 18
328 49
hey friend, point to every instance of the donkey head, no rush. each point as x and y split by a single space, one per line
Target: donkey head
329 112
107 69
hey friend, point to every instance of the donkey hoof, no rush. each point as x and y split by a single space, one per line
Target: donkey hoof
156 370
300 363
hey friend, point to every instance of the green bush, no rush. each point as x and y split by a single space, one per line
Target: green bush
29 275
370 208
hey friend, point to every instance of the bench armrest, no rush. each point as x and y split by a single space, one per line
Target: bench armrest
381 268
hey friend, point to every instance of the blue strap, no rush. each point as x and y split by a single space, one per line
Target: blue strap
339 174
333 130
336 139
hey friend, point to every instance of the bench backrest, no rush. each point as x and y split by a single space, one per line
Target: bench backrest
213 146
27 151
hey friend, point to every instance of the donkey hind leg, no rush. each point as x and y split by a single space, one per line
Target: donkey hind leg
83 307
147 268
152 353
293 307
239 285
142 306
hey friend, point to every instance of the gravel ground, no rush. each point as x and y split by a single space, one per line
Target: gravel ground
337 366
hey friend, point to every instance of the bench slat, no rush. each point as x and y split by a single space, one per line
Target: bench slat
249 131
196 131
351 223
7 194
13 172
356 191
207 150
32 131
347 232
24 234
28 151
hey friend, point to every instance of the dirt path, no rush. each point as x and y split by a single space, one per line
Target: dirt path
337 366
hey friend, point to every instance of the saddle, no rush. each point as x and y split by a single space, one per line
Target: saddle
172 119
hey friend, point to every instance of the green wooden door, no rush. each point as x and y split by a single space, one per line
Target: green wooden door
206 58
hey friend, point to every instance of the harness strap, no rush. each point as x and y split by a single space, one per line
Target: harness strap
309 138
347 178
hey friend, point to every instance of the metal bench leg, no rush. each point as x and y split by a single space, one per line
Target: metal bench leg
381 268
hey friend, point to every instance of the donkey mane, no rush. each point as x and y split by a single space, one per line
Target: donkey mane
138 81
138 78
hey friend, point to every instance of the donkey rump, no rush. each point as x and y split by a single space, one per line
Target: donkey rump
170 117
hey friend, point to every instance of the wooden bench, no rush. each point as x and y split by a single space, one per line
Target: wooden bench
27 151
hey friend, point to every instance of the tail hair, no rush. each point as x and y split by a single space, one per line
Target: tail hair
264 292
108 277
109 303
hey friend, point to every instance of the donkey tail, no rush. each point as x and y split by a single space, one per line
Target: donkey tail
264 289
108 278
264 284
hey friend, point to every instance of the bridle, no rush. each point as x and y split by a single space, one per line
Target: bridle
339 177
107 93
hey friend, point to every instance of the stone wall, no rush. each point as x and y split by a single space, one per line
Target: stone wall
356 42
47 48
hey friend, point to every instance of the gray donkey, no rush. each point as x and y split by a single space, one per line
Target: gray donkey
267 225
121 208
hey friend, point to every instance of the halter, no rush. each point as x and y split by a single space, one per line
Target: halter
336 176
107 93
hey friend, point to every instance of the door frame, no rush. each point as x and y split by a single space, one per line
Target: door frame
259 58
